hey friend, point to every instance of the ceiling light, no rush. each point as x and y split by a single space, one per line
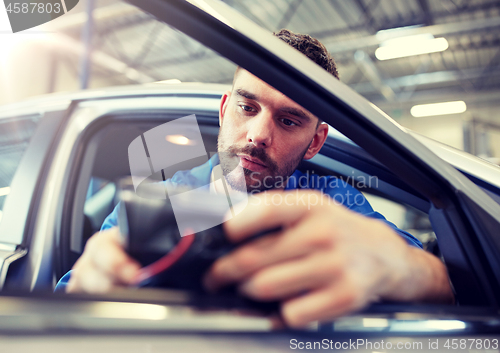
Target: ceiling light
410 46
172 81
10 43
207 8
4 191
444 108
179 140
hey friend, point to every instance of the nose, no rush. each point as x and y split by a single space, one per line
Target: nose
260 130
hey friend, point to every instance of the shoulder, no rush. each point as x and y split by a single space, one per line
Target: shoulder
311 180
198 176
341 191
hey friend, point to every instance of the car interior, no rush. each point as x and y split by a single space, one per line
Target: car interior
103 162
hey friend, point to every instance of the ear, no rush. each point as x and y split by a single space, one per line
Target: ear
224 101
317 141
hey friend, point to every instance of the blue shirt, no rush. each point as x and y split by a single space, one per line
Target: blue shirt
338 190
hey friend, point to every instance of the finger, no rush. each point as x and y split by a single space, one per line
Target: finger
271 209
73 284
240 263
88 279
293 277
322 305
108 257
272 249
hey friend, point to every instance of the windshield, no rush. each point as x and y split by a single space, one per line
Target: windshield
15 134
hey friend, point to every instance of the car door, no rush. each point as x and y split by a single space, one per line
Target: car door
27 134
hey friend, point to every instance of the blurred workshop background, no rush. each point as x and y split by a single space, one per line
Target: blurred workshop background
433 66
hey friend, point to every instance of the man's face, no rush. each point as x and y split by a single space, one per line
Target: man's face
266 133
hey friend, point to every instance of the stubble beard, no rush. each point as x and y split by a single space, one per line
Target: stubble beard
273 177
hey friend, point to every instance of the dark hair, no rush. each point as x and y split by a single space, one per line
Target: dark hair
311 47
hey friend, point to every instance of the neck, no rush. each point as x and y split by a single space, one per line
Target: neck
220 184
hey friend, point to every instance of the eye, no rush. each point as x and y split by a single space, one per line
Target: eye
288 122
247 108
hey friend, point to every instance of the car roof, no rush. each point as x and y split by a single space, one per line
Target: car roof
56 101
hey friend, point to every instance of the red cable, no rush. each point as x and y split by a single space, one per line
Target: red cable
168 260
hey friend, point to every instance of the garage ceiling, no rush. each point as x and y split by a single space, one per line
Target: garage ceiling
132 47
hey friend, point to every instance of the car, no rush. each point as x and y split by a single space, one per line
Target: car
63 155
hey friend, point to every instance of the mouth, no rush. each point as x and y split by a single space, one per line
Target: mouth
253 164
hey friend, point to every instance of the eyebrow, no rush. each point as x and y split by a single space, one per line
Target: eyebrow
242 93
296 112
288 110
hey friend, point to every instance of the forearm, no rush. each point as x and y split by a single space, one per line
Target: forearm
427 280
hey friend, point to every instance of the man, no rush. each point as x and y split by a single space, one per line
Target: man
327 260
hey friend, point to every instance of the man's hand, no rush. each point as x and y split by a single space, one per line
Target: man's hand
327 261
104 265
